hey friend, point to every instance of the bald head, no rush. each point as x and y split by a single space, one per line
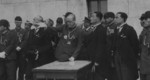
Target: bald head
70 19
38 19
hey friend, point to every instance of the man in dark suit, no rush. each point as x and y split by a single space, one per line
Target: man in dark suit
8 55
126 49
95 46
39 50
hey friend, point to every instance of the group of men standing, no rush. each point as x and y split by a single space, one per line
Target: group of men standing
24 49
112 46
106 40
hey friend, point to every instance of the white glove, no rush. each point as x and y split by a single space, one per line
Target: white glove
53 43
2 55
71 59
18 48
96 64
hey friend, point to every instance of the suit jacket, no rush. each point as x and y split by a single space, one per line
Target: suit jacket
126 44
8 44
41 42
95 46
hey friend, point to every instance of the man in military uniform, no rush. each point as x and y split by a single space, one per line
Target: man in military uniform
8 40
110 25
86 30
145 46
20 32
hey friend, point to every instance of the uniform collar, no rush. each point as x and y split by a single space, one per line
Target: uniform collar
120 27
95 25
18 29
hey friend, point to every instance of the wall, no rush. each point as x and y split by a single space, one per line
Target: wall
134 9
28 9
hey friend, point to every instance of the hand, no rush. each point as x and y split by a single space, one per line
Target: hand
96 64
18 48
53 43
3 55
71 59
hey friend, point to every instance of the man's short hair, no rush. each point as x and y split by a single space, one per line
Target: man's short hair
18 18
99 15
109 15
59 20
123 15
143 17
5 23
39 18
147 14
70 13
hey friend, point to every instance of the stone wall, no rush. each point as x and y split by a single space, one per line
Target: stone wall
134 9
28 9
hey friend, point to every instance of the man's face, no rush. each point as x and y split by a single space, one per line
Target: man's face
18 23
2 28
108 20
145 23
27 26
93 18
86 24
142 23
35 22
119 19
47 22
70 21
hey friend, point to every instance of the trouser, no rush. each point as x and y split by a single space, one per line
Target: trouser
30 65
98 76
123 72
145 76
21 66
8 70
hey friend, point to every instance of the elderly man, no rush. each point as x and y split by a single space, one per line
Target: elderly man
39 50
38 21
71 41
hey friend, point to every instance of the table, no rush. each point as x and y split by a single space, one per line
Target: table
62 70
